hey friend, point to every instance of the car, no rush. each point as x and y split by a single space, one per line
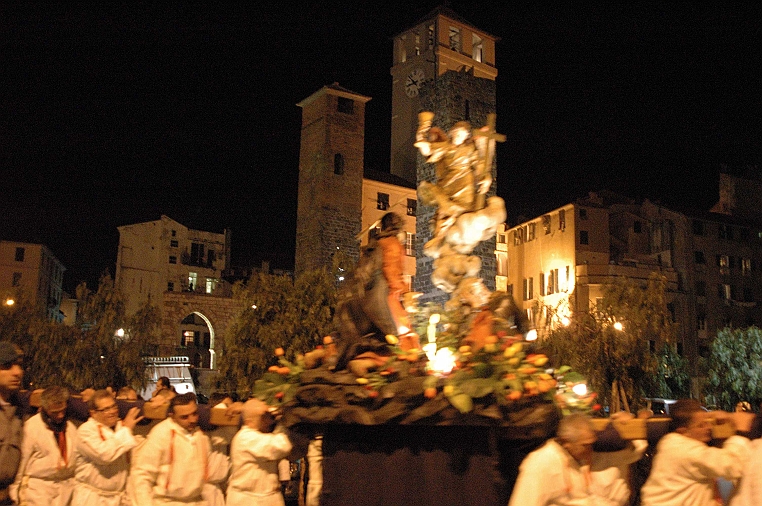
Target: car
659 406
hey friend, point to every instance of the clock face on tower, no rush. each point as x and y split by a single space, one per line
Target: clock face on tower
414 82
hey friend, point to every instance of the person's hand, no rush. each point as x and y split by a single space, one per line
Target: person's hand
131 418
622 416
234 409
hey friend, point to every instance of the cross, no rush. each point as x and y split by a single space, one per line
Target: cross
486 133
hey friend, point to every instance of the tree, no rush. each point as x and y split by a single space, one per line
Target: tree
735 368
278 312
87 354
611 341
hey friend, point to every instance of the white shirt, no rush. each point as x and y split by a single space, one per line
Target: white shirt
45 476
102 463
254 477
750 491
551 476
173 465
685 470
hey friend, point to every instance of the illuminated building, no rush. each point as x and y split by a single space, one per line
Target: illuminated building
31 271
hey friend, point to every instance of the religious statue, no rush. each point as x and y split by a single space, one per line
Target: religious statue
464 216
370 305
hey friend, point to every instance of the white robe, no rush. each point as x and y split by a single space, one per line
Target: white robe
173 466
750 491
685 470
551 476
254 477
45 477
102 464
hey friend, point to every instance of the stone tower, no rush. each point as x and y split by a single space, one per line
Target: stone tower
445 65
330 176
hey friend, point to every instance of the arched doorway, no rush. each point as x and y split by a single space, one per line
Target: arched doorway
196 340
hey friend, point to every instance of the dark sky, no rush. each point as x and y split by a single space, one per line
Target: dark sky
119 113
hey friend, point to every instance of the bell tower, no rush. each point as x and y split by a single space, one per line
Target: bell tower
445 65
331 157
439 43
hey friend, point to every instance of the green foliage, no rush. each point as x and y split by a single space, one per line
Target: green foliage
592 345
86 354
672 380
735 368
278 312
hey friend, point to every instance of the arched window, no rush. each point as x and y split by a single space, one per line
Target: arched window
338 164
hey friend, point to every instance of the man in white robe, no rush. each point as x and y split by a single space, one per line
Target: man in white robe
255 453
566 471
750 490
685 468
177 460
46 472
103 452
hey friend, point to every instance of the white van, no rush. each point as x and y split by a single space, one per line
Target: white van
177 369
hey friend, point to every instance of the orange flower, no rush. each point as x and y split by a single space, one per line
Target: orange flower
279 352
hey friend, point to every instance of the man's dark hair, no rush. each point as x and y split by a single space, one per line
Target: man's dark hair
92 404
182 400
163 381
54 395
682 413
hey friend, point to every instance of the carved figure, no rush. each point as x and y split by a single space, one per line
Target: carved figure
464 216
369 307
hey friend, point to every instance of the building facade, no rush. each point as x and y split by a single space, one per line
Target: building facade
165 256
712 260
33 272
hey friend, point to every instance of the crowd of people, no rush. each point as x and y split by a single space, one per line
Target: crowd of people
47 460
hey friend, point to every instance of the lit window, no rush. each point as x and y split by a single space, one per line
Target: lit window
562 219
746 266
477 52
192 280
188 338
501 239
210 285
402 51
455 38
528 288
19 254
382 201
409 244
723 262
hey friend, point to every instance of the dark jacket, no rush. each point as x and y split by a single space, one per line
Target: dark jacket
10 448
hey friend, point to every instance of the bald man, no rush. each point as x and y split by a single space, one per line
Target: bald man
255 453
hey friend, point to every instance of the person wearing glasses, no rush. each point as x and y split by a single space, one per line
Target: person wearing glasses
103 452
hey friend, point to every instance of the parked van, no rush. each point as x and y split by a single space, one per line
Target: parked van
177 369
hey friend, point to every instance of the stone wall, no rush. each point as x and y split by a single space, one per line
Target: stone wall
453 96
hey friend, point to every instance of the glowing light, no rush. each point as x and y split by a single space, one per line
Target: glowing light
443 362
341 278
253 306
9 302
431 331
531 335
618 326
403 330
120 333
580 389
565 321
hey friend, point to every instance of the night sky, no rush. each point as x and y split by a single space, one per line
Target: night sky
119 113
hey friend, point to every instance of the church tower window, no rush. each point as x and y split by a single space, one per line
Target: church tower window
338 164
